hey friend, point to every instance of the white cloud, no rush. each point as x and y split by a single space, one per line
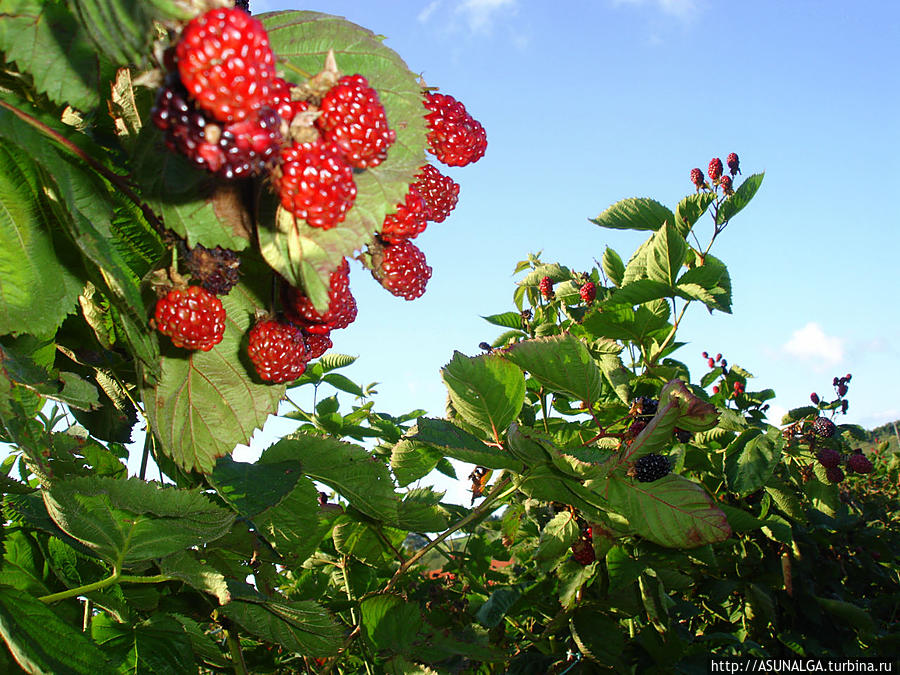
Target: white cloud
429 9
481 14
811 343
683 9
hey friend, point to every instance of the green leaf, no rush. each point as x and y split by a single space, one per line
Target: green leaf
487 391
252 488
302 627
797 414
453 442
197 573
410 461
505 320
420 511
622 322
31 274
359 541
343 383
786 500
555 271
667 252
638 292
41 642
617 375
849 614
740 520
690 209
120 29
158 645
363 480
709 283
622 568
672 511
206 403
637 263
306 255
390 622
44 40
556 539
751 458
741 197
501 600
613 266
560 363
599 637
636 213
130 521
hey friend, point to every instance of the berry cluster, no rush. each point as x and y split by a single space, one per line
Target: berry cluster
649 468
855 462
583 548
717 178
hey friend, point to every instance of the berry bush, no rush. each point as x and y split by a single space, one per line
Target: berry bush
186 191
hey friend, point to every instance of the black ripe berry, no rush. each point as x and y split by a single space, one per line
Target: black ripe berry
823 427
651 467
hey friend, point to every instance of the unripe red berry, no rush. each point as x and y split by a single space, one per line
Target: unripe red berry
726 185
716 389
705 355
711 363
715 169
588 292
697 178
734 164
814 397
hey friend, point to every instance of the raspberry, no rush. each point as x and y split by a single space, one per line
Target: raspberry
697 178
649 468
192 317
280 100
317 345
834 474
217 269
583 551
409 220
546 287
440 192
401 268
725 182
226 63
454 136
588 292
352 117
859 463
828 457
341 310
315 183
715 169
230 151
814 397
277 351
823 427
734 164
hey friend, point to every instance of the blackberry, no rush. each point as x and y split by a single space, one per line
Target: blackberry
643 408
649 468
683 435
828 457
859 463
823 427
834 474
217 270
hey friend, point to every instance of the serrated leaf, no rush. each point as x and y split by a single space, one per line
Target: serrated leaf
555 271
500 601
420 511
557 537
617 375
359 540
672 511
505 320
251 488
130 521
206 403
741 197
713 278
599 637
302 39
613 266
797 414
355 474
35 636
411 461
667 252
562 363
186 566
343 383
454 442
636 213
158 645
390 622
31 274
487 391
751 458
44 40
690 209
301 627
638 292
119 29
637 263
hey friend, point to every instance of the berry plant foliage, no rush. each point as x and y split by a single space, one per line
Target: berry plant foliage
188 194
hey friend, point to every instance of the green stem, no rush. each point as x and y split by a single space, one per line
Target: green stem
111 580
237 656
670 336
500 490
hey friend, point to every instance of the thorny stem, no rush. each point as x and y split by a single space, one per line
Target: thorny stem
113 178
499 491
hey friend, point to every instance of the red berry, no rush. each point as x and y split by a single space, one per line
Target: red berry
352 117
192 317
711 363
277 351
454 136
719 358
315 183
697 178
859 463
588 292
715 169
409 220
583 551
842 390
814 397
226 63
725 182
715 389
828 457
401 268
734 164
546 287
317 345
440 192
341 310
280 100
705 355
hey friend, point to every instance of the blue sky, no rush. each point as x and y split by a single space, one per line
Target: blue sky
586 103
